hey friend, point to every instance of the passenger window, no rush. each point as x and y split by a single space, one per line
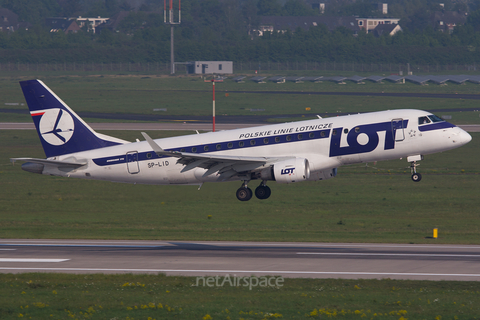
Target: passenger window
277 139
311 135
194 149
300 136
205 148
219 146
357 129
230 145
334 132
149 155
265 141
252 142
289 138
345 130
241 144
322 134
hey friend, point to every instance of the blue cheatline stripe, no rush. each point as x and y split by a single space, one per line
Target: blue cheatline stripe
221 146
435 126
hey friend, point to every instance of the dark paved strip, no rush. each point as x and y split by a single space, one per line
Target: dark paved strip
205 258
374 94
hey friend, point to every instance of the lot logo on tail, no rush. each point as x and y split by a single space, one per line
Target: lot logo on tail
56 126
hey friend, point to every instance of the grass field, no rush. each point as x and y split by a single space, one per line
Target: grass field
192 96
66 296
365 203
374 203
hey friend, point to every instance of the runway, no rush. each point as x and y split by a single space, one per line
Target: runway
203 258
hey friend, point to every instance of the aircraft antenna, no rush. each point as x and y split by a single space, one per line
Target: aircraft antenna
171 21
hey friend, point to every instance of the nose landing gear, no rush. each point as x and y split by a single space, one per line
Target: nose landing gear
416 177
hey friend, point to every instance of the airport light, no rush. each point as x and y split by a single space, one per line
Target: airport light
213 90
171 21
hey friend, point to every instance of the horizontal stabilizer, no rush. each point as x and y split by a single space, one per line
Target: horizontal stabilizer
51 162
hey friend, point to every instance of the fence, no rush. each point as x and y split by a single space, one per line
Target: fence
239 67
352 67
146 67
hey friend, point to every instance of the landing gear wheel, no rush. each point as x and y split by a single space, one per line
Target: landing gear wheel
244 194
416 177
263 192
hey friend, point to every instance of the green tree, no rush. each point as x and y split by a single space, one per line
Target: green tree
297 8
269 8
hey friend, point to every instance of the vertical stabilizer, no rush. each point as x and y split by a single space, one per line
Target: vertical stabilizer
60 129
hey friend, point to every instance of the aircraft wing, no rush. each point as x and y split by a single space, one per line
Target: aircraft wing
226 166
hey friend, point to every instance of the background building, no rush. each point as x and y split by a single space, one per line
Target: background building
210 67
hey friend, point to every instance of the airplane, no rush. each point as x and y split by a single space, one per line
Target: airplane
286 153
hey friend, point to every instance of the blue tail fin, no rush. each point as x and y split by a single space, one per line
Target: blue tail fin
60 129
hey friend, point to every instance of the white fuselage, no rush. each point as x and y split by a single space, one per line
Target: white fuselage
327 143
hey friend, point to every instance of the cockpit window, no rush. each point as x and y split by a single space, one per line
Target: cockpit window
434 118
424 120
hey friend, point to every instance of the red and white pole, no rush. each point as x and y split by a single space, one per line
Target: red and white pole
213 82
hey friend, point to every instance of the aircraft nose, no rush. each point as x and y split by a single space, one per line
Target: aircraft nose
464 137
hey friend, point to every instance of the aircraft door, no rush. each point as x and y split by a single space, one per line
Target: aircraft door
132 162
398 129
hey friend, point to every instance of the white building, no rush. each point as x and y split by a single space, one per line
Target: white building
91 23
210 67
368 24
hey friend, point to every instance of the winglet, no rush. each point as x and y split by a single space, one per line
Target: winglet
157 149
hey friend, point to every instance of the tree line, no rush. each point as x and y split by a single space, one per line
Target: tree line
221 30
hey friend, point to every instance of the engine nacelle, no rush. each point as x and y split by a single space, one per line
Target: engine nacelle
291 170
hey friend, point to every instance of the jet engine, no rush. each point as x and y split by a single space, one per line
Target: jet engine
288 171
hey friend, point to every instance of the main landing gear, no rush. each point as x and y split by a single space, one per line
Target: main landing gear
244 193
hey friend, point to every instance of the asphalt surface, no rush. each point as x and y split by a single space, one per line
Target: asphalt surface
299 260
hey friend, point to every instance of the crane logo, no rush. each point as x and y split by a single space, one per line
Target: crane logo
56 126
